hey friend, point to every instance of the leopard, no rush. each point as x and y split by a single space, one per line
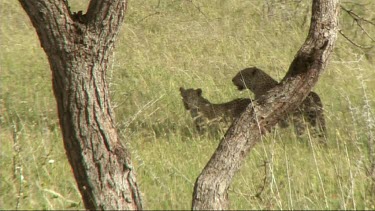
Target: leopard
205 113
310 110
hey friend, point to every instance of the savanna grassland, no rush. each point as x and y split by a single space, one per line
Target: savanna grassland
165 44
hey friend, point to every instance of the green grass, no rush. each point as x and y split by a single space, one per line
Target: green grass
167 44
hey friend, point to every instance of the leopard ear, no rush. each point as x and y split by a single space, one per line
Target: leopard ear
182 89
199 91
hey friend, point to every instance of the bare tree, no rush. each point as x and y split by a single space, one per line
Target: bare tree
78 47
210 190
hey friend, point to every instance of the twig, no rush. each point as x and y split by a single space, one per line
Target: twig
356 17
199 9
147 16
258 194
352 42
152 14
201 12
364 30
264 181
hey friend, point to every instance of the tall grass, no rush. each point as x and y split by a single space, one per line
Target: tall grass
167 44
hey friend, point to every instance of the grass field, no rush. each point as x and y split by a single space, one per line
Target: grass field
171 43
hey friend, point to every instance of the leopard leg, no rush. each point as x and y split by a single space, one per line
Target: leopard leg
299 124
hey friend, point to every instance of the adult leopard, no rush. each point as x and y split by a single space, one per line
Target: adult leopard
311 109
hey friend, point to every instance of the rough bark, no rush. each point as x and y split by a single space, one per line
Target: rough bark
78 47
210 190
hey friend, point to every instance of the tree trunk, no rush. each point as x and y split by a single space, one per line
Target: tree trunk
78 47
210 190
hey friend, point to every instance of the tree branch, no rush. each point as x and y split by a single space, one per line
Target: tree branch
41 10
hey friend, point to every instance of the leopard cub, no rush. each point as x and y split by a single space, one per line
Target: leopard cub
205 113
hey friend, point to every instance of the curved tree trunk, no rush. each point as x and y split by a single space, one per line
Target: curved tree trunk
78 47
210 190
